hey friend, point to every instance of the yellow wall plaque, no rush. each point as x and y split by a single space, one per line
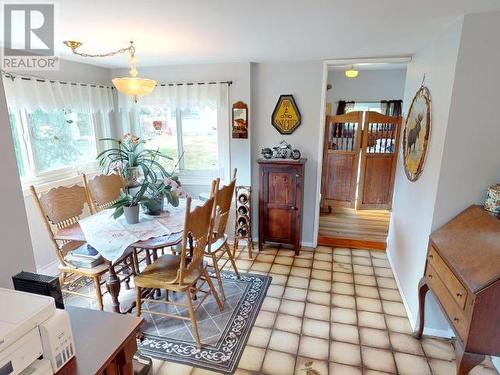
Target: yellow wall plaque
286 116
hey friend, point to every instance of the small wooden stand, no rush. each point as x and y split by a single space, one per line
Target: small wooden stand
243 222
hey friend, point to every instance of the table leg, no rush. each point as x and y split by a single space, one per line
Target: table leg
113 287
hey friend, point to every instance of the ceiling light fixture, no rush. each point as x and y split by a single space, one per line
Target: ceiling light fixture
351 72
132 85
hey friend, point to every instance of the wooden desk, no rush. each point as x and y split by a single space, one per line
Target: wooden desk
104 342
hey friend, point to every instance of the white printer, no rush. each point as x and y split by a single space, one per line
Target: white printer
31 327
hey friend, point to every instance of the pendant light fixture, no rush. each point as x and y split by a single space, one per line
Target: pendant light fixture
351 72
131 86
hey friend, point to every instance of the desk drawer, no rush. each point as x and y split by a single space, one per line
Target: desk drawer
455 287
455 314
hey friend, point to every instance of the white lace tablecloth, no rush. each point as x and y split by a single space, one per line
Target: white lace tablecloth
112 237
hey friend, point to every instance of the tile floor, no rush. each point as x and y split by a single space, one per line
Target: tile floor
339 309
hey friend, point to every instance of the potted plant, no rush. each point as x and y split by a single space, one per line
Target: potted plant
169 188
128 204
129 156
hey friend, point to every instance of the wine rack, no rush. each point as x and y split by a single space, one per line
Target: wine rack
243 223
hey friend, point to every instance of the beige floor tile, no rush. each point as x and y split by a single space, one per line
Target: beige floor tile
240 371
324 249
320 285
201 371
344 332
243 265
324 257
371 320
278 279
386 282
345 353
409 364
174 368
338 258
271 304
276 363
438 348
315 311
322 265
268 250
360 253
341 315
394 308
284 341
341 251
376 338
381 263
367 291
440 367
266 258
389 294
295 308
343 277
260 267
378 254
295 294
321 275
378 359
405 343
316 328
286 253
303 364
259 337
375 372
368 304
363 270
320 298
398 324
298 262
288 323
365 280
300 272
340 300
383 272
251 358
340 369
313 347
342 288
305 255
275 291
280 269
265 319
342 267
298 282
286 261
361 261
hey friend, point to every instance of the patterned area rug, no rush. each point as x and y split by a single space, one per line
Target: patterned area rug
223 333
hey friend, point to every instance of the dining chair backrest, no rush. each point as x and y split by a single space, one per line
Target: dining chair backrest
222 208
103 190
61 207
197 229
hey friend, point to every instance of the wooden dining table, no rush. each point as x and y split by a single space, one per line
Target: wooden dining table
113 283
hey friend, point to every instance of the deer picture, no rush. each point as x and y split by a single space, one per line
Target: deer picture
414 133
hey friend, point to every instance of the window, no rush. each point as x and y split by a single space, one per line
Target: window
47 142
189 132
366 106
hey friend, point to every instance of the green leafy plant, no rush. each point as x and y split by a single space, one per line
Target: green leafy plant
129 200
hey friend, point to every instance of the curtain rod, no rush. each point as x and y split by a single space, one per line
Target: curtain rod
369 101
229 83
41 79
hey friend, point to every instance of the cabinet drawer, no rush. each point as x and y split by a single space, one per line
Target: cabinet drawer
455 313
457 290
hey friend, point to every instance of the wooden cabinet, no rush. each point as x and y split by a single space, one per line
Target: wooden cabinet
281 197
463 272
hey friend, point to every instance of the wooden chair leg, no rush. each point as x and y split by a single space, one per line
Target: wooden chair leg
62 278
212 289
98 293
250 248
217 275
135 260
138 300
192 316
231 258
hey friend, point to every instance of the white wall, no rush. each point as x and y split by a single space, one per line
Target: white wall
16 251
368 86
304 81
413 202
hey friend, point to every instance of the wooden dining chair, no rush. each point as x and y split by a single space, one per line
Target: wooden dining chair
181 273
219 248
103 190
62 208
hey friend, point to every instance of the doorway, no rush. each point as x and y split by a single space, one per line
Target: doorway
359 155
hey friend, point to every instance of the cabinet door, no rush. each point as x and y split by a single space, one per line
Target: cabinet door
280 200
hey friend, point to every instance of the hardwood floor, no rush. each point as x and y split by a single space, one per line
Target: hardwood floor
360 229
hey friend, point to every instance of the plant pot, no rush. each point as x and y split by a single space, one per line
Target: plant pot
131 214
132 175
157 208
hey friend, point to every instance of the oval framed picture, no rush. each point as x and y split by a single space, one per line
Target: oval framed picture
416 133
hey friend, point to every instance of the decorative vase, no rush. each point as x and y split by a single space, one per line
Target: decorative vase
132 175
158 207
131 214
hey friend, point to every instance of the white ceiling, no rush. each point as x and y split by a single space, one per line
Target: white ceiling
189 31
